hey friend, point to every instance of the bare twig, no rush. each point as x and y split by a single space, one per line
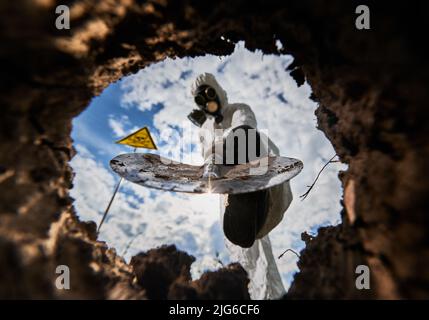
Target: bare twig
218 259
303 196
291 250
130 243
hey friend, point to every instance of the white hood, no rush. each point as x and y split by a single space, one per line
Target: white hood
210 80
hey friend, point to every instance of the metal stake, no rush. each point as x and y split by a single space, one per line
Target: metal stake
110 202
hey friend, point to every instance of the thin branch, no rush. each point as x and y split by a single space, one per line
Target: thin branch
291 250
303 196
218 259
130 243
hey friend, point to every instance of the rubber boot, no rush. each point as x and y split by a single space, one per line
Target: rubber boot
244 217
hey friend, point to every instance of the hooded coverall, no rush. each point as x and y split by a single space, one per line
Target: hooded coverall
246 217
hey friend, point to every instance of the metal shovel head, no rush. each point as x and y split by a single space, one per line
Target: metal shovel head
153 171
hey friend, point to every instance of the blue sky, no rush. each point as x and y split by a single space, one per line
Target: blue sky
159 97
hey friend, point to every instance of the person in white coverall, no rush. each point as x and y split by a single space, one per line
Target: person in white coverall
247 218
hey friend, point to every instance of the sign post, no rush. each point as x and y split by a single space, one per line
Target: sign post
138 139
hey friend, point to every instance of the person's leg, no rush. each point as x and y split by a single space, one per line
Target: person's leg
244 217
246 213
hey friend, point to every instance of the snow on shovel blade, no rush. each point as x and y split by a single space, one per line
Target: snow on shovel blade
150 170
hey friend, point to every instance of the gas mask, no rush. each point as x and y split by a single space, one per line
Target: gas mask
208 104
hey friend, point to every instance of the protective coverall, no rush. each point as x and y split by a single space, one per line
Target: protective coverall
246 218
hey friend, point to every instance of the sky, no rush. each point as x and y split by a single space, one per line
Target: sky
159 97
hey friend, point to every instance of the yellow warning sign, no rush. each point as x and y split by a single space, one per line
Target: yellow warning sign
139 139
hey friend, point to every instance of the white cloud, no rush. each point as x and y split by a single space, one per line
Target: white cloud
93 139
117 125
92 185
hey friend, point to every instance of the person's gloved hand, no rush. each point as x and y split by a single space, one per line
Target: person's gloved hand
212 166
211 171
